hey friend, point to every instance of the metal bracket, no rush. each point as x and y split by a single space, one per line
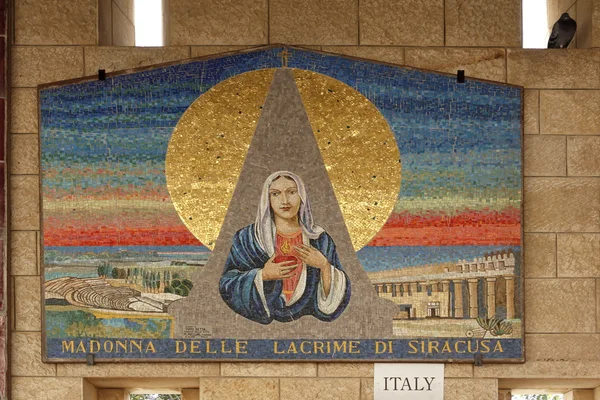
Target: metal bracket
460 76
478 360
101 74
91 359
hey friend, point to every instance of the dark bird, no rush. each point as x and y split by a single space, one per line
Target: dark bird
563 32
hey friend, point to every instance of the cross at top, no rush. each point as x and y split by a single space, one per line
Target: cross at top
285 54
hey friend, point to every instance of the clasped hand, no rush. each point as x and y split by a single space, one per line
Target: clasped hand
273 271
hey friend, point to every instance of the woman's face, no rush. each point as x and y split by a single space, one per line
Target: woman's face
284 198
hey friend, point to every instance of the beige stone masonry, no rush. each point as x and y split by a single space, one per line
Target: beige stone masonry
562 347
470 389
121 58
402 22
25 202
239 389
224 22
123 33
578 255
111 394
487 64
56 22
583 156
562 204
201 51
560 305
139 370
35 65
27 303
483 23
89 391
539 255
313 22
25 154
23 253
26 355
554 69
366 389
390 54
319 388
46 388
579 394
598 305
531 117
127 7
269 369
570 112
596 24
365 370
545 155
190 394
24 111
542 370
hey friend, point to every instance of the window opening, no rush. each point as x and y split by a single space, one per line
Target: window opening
543 396
155 396
535 25
149 22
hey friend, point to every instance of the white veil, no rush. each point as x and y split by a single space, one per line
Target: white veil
264 227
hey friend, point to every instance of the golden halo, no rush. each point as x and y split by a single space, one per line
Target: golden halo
208 146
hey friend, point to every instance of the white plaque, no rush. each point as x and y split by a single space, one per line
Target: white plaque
409 381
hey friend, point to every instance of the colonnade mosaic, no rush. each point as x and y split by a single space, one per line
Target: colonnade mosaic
482 287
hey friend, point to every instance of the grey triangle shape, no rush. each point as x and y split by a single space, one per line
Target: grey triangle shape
284 140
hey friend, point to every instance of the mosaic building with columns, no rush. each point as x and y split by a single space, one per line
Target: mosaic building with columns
482 287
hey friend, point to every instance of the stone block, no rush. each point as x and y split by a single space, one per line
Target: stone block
562 347
147 370
402 22
27 303
45 388
487 64
269 369
313 22
320 388
570 112
346 370
105 22
127 7
26 359
470 389
122 58
239 389
541 369
190 394
123 32
582 156
458 370
201 51
596 25
23 253
366 389
32 65
560 305
388 54
24 111
88 391
25 154
531 117
226 22
545 155
554 68
46 22
540 255
562 205
578 255
483 23
597 305
579 394
25 202
111 394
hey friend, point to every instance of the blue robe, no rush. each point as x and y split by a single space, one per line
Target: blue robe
238 290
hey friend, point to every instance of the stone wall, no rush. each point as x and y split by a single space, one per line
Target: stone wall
57 39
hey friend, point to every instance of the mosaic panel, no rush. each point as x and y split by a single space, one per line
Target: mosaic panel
282 204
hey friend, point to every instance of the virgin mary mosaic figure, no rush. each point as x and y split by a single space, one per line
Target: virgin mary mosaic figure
283 266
